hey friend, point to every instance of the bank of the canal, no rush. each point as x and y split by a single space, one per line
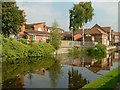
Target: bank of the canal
108 80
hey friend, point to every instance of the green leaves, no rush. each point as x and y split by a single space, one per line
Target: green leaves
12 18
55 37
80 14
12 49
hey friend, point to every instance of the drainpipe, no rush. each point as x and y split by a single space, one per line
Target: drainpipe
83 37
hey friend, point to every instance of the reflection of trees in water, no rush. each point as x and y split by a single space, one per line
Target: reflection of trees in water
12 83
54 73
76 80
10 71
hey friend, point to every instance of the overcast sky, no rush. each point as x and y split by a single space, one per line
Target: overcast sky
106 13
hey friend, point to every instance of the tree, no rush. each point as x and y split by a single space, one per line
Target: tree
80 14
12 18
55 37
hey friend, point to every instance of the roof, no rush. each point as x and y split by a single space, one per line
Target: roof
36 23
117 33
52 27
107 29
67 34
80 31
36 32
100 30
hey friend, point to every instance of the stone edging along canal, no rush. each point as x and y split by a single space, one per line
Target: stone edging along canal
108 80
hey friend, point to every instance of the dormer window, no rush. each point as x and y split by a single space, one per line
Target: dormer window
39 29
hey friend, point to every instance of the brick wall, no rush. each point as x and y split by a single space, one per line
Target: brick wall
41 38
42 26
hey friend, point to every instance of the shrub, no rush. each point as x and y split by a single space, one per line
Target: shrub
40 49
100 49
90 50
24 41
13 49
75 52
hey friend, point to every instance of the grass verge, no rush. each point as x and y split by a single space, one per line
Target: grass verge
108 80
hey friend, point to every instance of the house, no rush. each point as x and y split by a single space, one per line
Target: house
37 31
67 35
97 33
49 29
78 34
22 28
116 37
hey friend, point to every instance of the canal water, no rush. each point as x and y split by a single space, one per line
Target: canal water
60 72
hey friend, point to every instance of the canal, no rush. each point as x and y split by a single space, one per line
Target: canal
63 71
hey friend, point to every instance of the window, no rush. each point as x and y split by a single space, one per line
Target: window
39 29
34 37
105 41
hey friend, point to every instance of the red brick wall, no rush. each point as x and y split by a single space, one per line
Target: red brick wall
41 37
22 29
42 26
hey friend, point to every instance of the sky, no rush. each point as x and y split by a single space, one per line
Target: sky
105 13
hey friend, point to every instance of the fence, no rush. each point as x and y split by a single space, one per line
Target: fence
75 43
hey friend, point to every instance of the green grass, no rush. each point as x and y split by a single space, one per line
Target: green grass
108 80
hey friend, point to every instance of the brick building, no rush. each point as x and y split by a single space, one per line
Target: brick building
96 34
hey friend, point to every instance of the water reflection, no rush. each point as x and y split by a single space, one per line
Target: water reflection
76 80
53 73
96 65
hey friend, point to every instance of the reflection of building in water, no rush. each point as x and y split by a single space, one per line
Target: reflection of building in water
94 65
20 80
116 56
14 83
40 71
104 64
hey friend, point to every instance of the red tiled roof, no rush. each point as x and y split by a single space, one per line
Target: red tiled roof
37 32
36 23
117 33
80 31
100 30
52 27
107 29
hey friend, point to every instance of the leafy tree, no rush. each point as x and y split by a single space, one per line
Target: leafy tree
12 18
55 37
80 14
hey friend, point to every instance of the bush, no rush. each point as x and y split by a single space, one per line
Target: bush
75 52
100 49
90 50
24 41
13 49
40 50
